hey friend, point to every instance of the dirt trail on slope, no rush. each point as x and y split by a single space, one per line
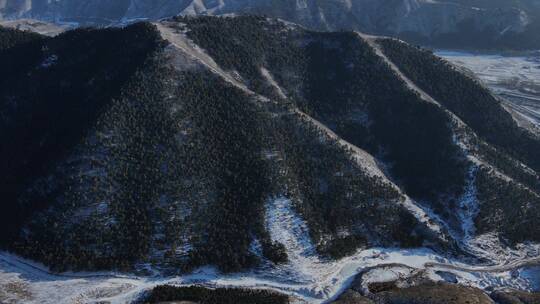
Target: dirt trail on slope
372 42
179 40
361 157
490 269
21 263
182 42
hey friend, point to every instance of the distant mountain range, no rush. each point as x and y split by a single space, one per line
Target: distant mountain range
451 23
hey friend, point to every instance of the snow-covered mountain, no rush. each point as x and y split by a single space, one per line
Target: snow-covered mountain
293 158
457 23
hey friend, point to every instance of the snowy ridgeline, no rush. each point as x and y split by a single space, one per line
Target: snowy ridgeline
306 276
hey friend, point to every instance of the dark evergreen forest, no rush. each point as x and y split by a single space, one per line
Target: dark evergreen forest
114 156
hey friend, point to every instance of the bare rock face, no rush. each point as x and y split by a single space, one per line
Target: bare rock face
353 297
398 284
427 293
435 293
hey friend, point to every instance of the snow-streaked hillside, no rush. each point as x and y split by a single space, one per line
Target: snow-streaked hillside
280 158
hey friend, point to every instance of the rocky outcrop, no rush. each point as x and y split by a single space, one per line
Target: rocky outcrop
515 297
413 286
429 293
353 297
434 293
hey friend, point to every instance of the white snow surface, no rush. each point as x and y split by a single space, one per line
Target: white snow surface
49 61
468 206
319 281
306 276
390 273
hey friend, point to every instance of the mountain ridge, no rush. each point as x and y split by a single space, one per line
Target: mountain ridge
283 150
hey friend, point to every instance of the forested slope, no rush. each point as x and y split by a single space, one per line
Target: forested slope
127 151
500 142
11 37
117 160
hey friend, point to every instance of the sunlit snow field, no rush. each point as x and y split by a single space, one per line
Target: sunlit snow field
515 78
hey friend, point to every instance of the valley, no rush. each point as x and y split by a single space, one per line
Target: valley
311 280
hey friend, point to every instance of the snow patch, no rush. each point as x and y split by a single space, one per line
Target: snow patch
385 274
287 228
266 74
468 206
425 215
49 61
322 281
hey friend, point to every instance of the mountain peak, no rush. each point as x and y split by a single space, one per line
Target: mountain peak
294 157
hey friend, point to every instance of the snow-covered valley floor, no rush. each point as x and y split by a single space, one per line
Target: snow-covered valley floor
22 281
305 277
